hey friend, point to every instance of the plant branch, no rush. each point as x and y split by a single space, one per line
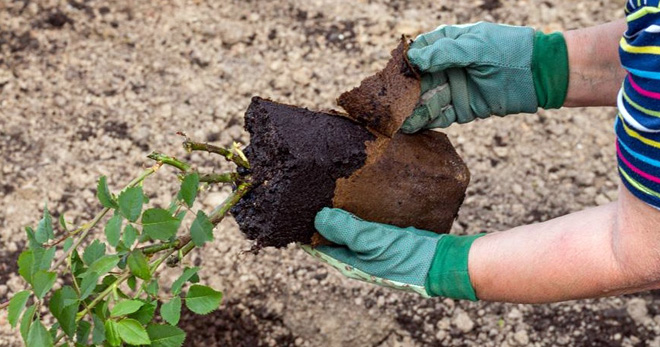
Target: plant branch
176 244
171 161
206 147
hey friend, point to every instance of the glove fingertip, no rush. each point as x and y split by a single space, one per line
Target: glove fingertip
332 222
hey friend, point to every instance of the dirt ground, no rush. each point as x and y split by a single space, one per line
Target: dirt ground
91 87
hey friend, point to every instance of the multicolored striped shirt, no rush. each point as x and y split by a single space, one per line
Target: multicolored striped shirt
638 123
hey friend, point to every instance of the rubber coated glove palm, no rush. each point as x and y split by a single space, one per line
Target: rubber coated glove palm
477 70
406 259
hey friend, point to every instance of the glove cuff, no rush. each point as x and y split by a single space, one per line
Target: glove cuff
448 275
550 69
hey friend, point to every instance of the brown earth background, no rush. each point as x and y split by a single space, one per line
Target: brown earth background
91 87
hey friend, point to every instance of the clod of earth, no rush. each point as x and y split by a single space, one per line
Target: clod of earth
302 161
383 101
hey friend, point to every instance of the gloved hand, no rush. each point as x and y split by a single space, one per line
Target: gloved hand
476 70
407 259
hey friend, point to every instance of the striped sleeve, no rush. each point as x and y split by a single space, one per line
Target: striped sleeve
638 123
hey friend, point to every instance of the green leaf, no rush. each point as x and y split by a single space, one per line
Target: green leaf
93 252
33 260
113 230
130 203
112 333
125 307
132 332
159 224
16 306
32 241
104 264
77 264
63 223
201 229
42 282
139 265
82 334
39 336
202 299
98 333
130 235
146 313
64 306
165 335
54 329
187 274
67 244
88 284
189 187
131 282
103 194
152 287
171 310
26 321
45 228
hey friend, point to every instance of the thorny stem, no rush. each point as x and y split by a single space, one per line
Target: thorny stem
165 159
228 177
176 244
236 158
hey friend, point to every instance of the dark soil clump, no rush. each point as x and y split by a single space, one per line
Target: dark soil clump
297 155
303 161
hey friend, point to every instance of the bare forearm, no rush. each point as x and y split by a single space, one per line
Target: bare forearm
597 252
595 71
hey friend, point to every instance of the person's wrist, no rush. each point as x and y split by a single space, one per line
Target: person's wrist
550 70
448 274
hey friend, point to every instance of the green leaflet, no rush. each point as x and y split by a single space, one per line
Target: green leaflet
187 274
130 203
45 228
112 333
202 299
64 306
125 307
39 336
26 321
16 306
103 194
132 332
42 282
165 335
159 224
113 230
94 251
201 229
171 310
138 264
189 187
130 235
82 334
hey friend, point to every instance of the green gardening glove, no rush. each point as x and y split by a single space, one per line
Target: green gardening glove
477 70
407 259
